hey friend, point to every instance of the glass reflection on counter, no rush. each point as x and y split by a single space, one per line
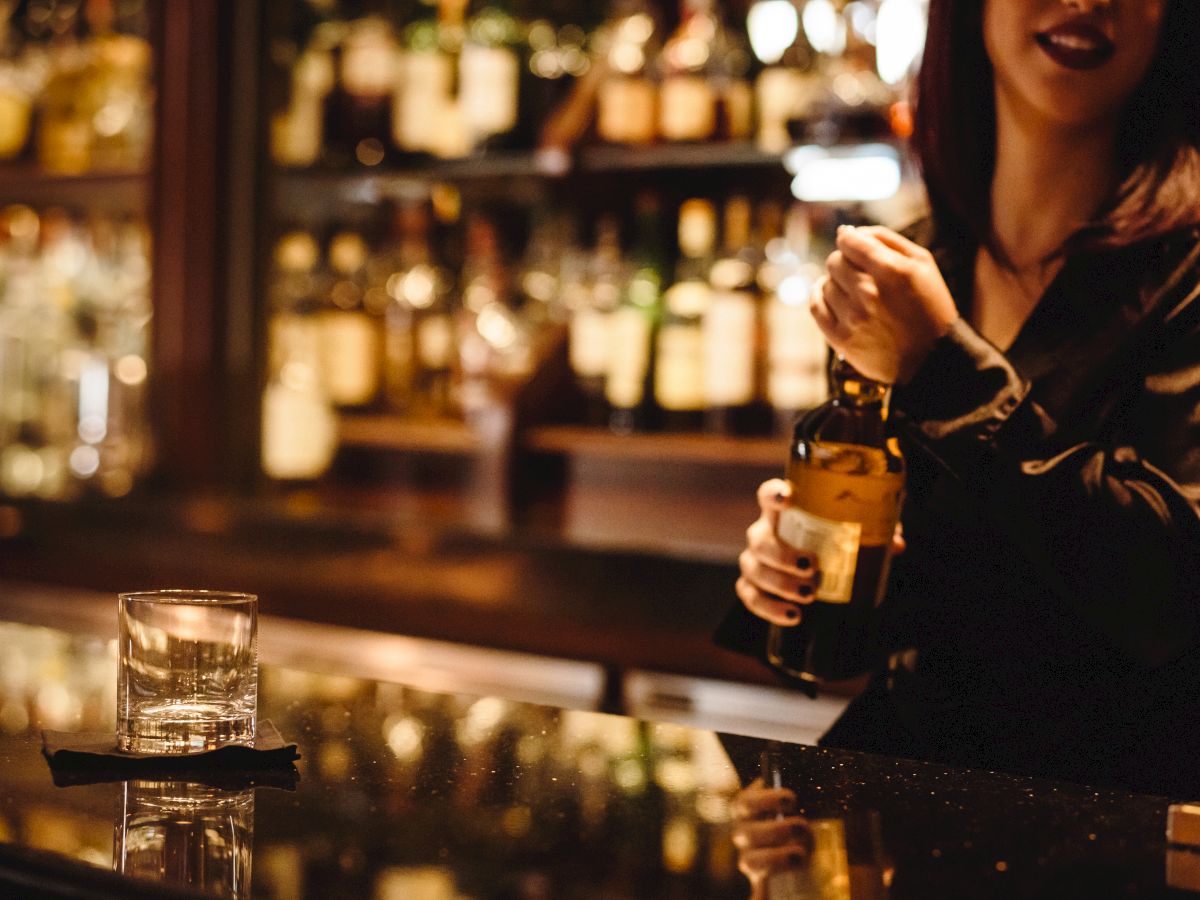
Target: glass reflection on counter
186 835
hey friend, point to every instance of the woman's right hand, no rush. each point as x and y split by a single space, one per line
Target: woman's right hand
776 579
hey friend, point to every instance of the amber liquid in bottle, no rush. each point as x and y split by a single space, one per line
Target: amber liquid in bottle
847 482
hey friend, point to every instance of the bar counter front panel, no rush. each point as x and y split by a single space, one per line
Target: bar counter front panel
407 792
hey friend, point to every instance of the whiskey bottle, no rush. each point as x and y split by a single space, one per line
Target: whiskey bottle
589 335
687 108
627 99
679 377
634 325
425 117
847 480
367 79
731 328
489 75
351 338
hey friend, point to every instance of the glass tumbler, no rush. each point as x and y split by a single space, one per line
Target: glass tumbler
188 672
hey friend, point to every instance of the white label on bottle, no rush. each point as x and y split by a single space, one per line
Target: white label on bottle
797 357
435 341
349 357
419 106
299 432
589 343
488 86
687 111
628 357
679 374
835 545
729 345
626 110
369 66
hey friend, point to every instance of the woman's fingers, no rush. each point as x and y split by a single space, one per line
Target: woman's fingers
764 543
792 831
782 585
825 315
869 253
899 545
757 801
759 863
773 496
763 605
890 238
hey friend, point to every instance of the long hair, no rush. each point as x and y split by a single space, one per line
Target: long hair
1158 140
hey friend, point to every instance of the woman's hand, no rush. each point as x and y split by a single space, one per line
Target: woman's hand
883 303
775 576
768 835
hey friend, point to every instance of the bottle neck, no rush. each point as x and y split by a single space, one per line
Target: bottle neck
850 388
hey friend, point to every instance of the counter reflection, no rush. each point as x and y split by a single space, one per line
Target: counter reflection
186 835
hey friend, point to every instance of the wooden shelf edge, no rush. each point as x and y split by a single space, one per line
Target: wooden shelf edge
123 191
571 440
390 432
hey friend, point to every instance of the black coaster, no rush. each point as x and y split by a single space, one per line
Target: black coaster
88 758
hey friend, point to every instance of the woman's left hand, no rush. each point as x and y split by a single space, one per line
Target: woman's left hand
883 303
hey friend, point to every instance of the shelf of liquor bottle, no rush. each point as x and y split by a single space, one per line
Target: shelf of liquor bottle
113 191
395 432
369 184
668 448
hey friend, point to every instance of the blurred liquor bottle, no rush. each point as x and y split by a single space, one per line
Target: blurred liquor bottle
351 339
679 376
419 321
732 330
358 113
797 354
629 382
596 300
489 75
426 118
299 430
687 109
627 98
788 84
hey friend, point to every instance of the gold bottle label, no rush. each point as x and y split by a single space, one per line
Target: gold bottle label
835 544
629 343
687 111
729 346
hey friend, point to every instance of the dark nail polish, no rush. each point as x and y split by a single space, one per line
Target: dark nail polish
805 591
792 615
795 859
803 563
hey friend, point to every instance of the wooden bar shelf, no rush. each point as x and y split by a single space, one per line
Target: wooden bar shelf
392 432
701 449
105 191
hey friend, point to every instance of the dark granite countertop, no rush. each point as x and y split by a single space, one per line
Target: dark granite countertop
403 792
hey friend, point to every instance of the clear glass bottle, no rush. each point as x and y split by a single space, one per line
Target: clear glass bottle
590 330
489 75
847 478
688 98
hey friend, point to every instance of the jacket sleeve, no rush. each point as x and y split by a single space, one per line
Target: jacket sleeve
1109 523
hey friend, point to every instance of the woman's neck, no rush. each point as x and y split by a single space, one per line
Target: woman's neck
1049 181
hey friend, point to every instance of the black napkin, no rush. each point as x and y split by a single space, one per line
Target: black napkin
87 758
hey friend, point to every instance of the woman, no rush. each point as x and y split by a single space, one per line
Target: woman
1042 331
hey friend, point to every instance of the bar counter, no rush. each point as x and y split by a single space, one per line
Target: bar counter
403 790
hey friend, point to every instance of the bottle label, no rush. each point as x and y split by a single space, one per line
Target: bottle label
626 110
628 357
419 105
489 82
729 327
835 544
589 341
350 350
435 341
679 374
688 109
369 66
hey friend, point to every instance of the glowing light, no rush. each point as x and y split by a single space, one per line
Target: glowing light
901 29
823 27
772 26
131 370
85 461
844 174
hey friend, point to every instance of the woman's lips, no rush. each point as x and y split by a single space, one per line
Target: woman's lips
1077 45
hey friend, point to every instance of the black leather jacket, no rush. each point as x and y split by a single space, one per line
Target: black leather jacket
1051 587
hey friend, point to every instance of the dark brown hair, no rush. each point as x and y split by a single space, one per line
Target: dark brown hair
1158 141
